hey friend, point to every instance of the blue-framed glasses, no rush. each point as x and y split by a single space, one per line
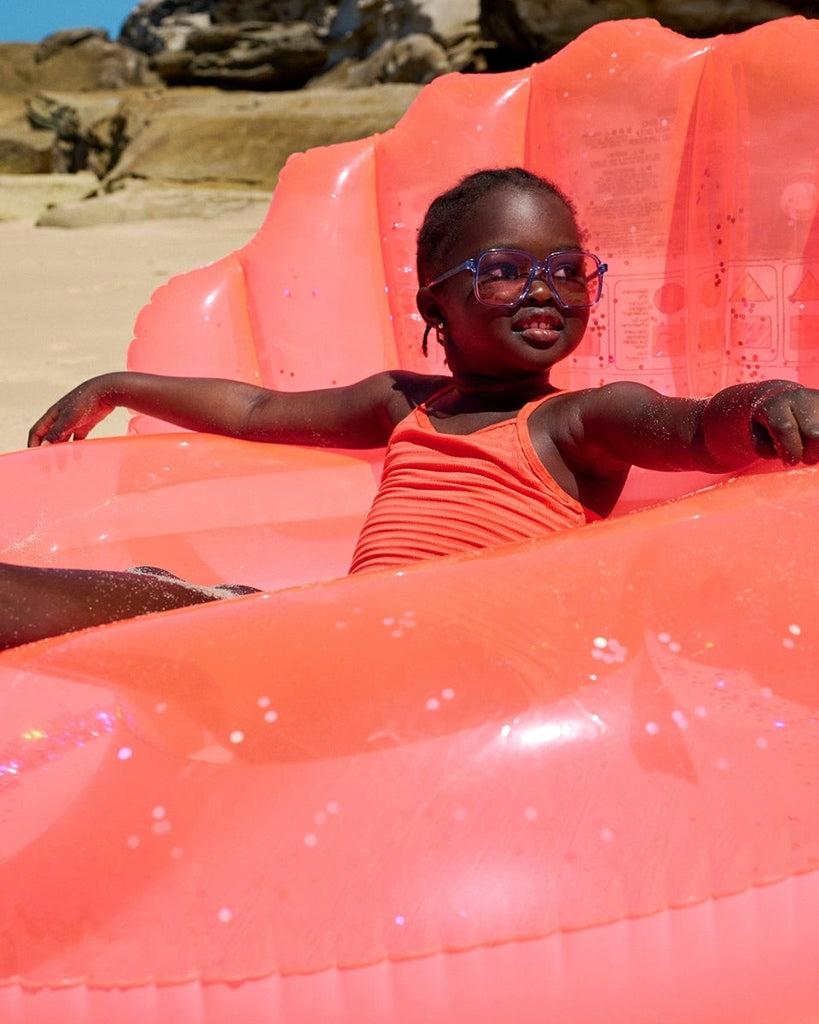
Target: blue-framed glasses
503 277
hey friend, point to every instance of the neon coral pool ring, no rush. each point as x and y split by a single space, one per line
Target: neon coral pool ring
572 779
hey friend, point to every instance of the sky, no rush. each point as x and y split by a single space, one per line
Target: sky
27 21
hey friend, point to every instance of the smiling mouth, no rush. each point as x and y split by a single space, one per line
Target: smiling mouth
541 322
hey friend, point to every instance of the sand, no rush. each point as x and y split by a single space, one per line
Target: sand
70 298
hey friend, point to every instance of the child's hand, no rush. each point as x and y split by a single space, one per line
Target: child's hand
74 415
785 425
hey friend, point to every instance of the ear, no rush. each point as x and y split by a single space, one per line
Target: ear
428 306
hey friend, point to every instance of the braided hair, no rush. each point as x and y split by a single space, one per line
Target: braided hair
454 206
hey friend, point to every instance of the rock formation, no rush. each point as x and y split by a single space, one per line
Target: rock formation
286 43
525 31
275 44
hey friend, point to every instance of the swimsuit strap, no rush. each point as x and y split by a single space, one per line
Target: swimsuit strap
527 410
437 394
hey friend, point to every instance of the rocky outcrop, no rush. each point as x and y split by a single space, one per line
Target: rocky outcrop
207 136
89 131
23 149
151 142
276 44
74 60
79 102
286 44
525 31
157 25
244 56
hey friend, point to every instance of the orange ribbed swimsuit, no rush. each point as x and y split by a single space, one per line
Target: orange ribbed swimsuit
445 494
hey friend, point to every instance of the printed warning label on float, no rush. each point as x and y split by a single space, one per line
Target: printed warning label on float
649 324
801 292
628 170
757 319
752 310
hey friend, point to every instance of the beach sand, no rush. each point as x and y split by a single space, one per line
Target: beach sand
70 298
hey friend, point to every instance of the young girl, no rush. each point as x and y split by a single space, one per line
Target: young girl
491 453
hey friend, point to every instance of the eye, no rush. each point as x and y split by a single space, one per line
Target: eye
504 267
503 272
570 269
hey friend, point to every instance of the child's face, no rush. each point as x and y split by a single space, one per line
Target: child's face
523 341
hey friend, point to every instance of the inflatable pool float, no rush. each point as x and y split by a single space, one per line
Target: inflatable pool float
565 780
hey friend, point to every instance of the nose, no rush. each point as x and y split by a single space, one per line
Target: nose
540 289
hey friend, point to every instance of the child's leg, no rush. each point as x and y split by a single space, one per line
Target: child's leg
36 602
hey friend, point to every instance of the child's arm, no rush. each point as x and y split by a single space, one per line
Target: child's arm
359 415
629 424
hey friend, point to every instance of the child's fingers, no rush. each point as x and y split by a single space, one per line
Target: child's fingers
807 415
787 439
59 424
800 433
37 434
791 421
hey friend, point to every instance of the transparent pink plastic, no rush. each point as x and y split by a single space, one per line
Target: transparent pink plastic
568 780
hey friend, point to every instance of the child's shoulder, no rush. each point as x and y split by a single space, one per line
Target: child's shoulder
414 388
615 399
398 392
613 392
582 423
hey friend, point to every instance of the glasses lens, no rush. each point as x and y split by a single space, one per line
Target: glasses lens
501 277
575 277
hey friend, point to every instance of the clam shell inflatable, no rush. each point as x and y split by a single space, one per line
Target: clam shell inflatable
568 780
